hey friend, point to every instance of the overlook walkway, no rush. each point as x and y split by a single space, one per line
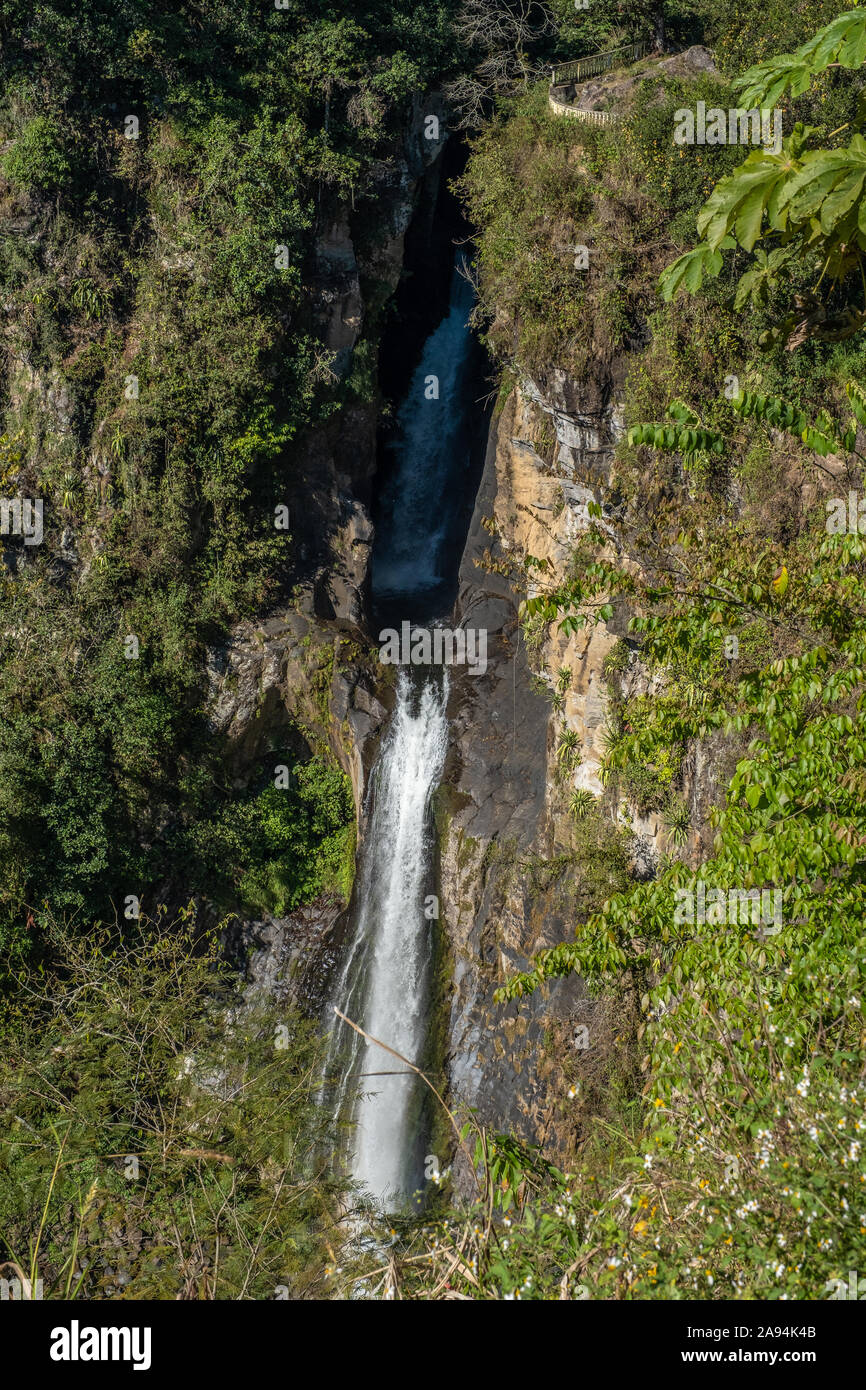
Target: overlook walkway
566 77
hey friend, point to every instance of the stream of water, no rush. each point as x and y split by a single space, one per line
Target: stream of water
419 513
384 983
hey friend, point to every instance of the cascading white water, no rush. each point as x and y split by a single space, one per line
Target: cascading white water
383 985
384 982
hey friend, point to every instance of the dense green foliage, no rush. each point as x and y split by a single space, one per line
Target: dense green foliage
282 847
165 177
153 1148
160 368
536 195
806 204
773 1017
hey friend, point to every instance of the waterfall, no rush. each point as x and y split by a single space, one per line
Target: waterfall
432 449
384 982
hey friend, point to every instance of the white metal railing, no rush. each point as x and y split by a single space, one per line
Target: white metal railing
561 108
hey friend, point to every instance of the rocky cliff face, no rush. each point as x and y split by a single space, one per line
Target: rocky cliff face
306 674
307 662
511 860
503 819
358 263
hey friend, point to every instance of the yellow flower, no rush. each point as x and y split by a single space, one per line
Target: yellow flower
640 1227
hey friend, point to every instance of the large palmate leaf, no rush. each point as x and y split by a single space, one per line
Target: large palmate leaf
827 186
814 201
766 82
843 42
689 269
739 203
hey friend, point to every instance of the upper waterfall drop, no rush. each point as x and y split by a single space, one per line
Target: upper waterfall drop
432 452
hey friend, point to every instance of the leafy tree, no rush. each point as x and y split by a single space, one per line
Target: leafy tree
804 205
283 846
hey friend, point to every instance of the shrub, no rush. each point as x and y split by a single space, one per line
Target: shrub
43 158
161 1154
